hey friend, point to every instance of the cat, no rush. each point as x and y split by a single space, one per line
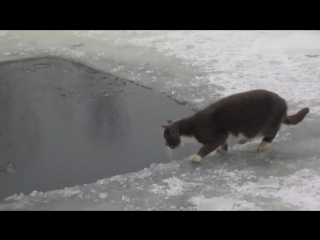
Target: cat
244 115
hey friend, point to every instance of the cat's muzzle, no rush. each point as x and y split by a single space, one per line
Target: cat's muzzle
172 147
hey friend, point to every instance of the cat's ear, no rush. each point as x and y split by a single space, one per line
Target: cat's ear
165 126
169 121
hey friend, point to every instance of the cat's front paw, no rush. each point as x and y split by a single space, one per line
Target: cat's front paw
195 158
263 146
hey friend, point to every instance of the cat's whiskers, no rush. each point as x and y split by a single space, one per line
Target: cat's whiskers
169 153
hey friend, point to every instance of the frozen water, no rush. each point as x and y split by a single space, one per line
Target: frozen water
197 67
193 66
269 183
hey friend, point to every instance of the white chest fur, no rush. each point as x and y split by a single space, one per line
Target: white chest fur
232 138
190 140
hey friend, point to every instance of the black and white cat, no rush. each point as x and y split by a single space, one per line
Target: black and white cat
243 115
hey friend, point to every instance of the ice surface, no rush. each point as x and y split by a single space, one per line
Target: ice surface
193 66
204 204
269 183
285 177
197 67
179 185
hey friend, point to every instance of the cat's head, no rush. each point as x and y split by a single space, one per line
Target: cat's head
171 135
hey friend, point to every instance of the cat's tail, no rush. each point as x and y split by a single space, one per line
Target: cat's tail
296 118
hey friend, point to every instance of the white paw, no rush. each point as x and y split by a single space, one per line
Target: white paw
195 158
263 146
220 150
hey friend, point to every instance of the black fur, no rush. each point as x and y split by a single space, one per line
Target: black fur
252 113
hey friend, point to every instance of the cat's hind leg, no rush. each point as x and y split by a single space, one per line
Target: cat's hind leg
265 143
271 130
222 148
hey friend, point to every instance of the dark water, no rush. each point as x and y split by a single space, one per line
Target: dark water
64 124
